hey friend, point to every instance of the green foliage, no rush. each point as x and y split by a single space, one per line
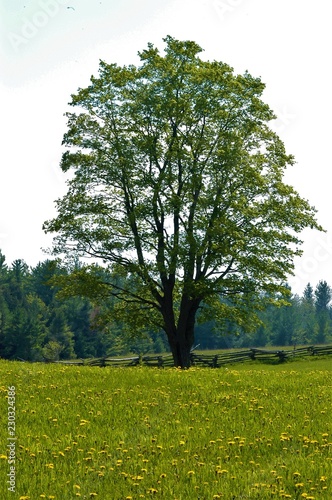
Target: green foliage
40 319
51 351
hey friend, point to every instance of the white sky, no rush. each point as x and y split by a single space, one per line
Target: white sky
49 48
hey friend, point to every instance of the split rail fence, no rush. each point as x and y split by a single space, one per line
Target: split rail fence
210 360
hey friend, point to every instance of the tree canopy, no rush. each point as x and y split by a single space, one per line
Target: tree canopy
178 188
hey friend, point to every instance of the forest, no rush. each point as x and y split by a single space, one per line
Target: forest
37 325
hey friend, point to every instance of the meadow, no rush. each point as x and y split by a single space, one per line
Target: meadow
246 431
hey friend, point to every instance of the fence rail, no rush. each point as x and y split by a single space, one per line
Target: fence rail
210 360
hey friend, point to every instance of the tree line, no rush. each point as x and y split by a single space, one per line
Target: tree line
300 320
37 324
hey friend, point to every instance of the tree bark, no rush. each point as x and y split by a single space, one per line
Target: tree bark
181 337
180 349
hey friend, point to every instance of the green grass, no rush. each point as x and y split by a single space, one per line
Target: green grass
250 431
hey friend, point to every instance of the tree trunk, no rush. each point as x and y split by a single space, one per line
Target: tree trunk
181 353
181 338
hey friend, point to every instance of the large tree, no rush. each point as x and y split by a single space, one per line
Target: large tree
177 184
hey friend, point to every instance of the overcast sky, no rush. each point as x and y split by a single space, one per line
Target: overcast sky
49 48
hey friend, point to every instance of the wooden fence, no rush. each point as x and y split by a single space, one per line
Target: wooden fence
210 360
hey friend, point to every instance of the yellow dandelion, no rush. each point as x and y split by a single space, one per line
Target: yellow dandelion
77 486
222 471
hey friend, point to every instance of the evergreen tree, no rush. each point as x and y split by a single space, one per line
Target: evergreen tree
323 297
308 316
59 331
41 280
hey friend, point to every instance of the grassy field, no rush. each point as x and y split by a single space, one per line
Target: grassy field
250 431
